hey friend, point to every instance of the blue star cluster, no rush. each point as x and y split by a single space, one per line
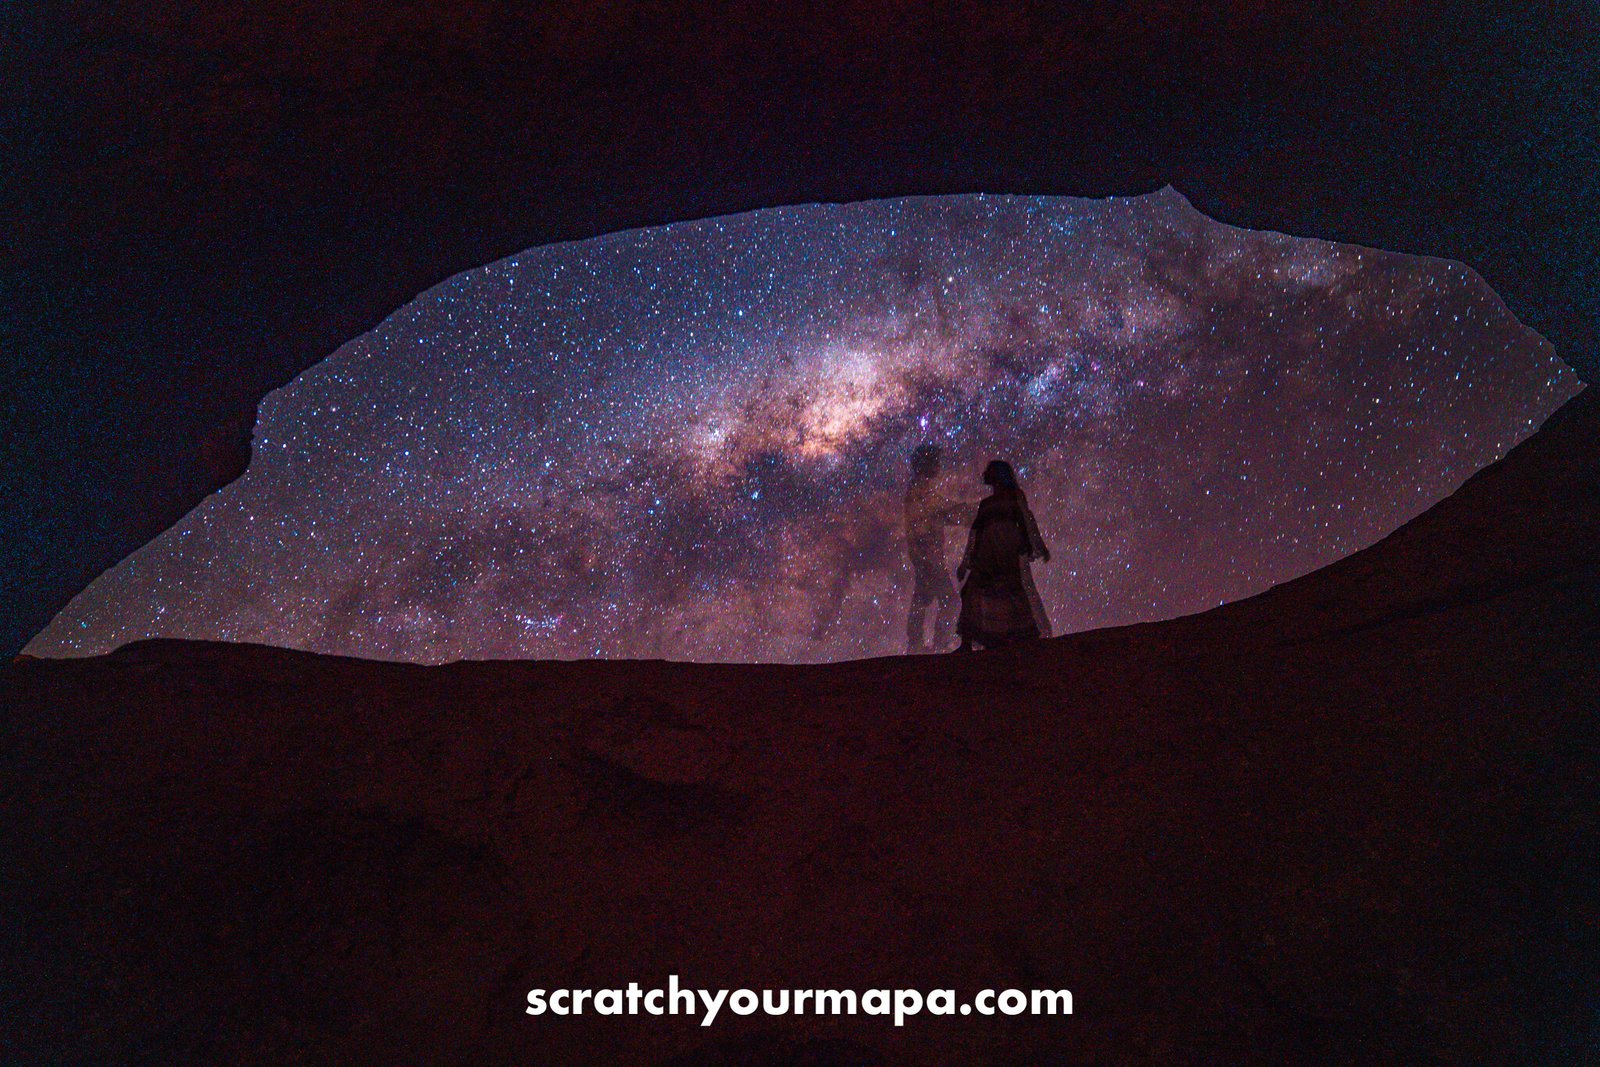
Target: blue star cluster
690 442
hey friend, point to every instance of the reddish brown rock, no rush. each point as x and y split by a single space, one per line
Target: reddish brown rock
1353 820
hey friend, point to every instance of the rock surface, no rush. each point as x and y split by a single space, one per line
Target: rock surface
1354 820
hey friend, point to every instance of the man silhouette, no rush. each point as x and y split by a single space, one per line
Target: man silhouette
927 514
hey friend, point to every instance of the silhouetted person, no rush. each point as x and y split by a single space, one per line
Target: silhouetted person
999 604
927 514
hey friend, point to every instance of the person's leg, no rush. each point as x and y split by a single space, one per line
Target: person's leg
916 617
966 637
944 617
922 595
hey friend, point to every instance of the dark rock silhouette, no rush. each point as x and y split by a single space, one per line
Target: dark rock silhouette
1349 821
1353 820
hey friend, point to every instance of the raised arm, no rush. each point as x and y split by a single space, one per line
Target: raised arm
955 513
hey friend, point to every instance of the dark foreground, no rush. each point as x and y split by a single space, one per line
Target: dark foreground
1354 820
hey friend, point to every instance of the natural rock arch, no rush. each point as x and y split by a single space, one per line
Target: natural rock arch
207 206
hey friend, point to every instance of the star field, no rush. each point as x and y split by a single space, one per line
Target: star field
690 442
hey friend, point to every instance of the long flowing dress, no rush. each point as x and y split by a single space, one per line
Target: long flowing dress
999 603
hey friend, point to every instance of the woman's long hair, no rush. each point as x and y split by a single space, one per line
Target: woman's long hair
1000 475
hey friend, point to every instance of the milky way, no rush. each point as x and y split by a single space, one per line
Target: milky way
690 442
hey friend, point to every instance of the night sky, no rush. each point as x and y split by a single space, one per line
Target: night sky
690 442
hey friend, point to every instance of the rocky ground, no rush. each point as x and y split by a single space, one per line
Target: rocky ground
1353 820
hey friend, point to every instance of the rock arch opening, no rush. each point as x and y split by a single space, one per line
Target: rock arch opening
690 441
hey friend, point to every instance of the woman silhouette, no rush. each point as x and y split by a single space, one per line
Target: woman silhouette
999 604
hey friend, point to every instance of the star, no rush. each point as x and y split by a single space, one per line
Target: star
691 441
